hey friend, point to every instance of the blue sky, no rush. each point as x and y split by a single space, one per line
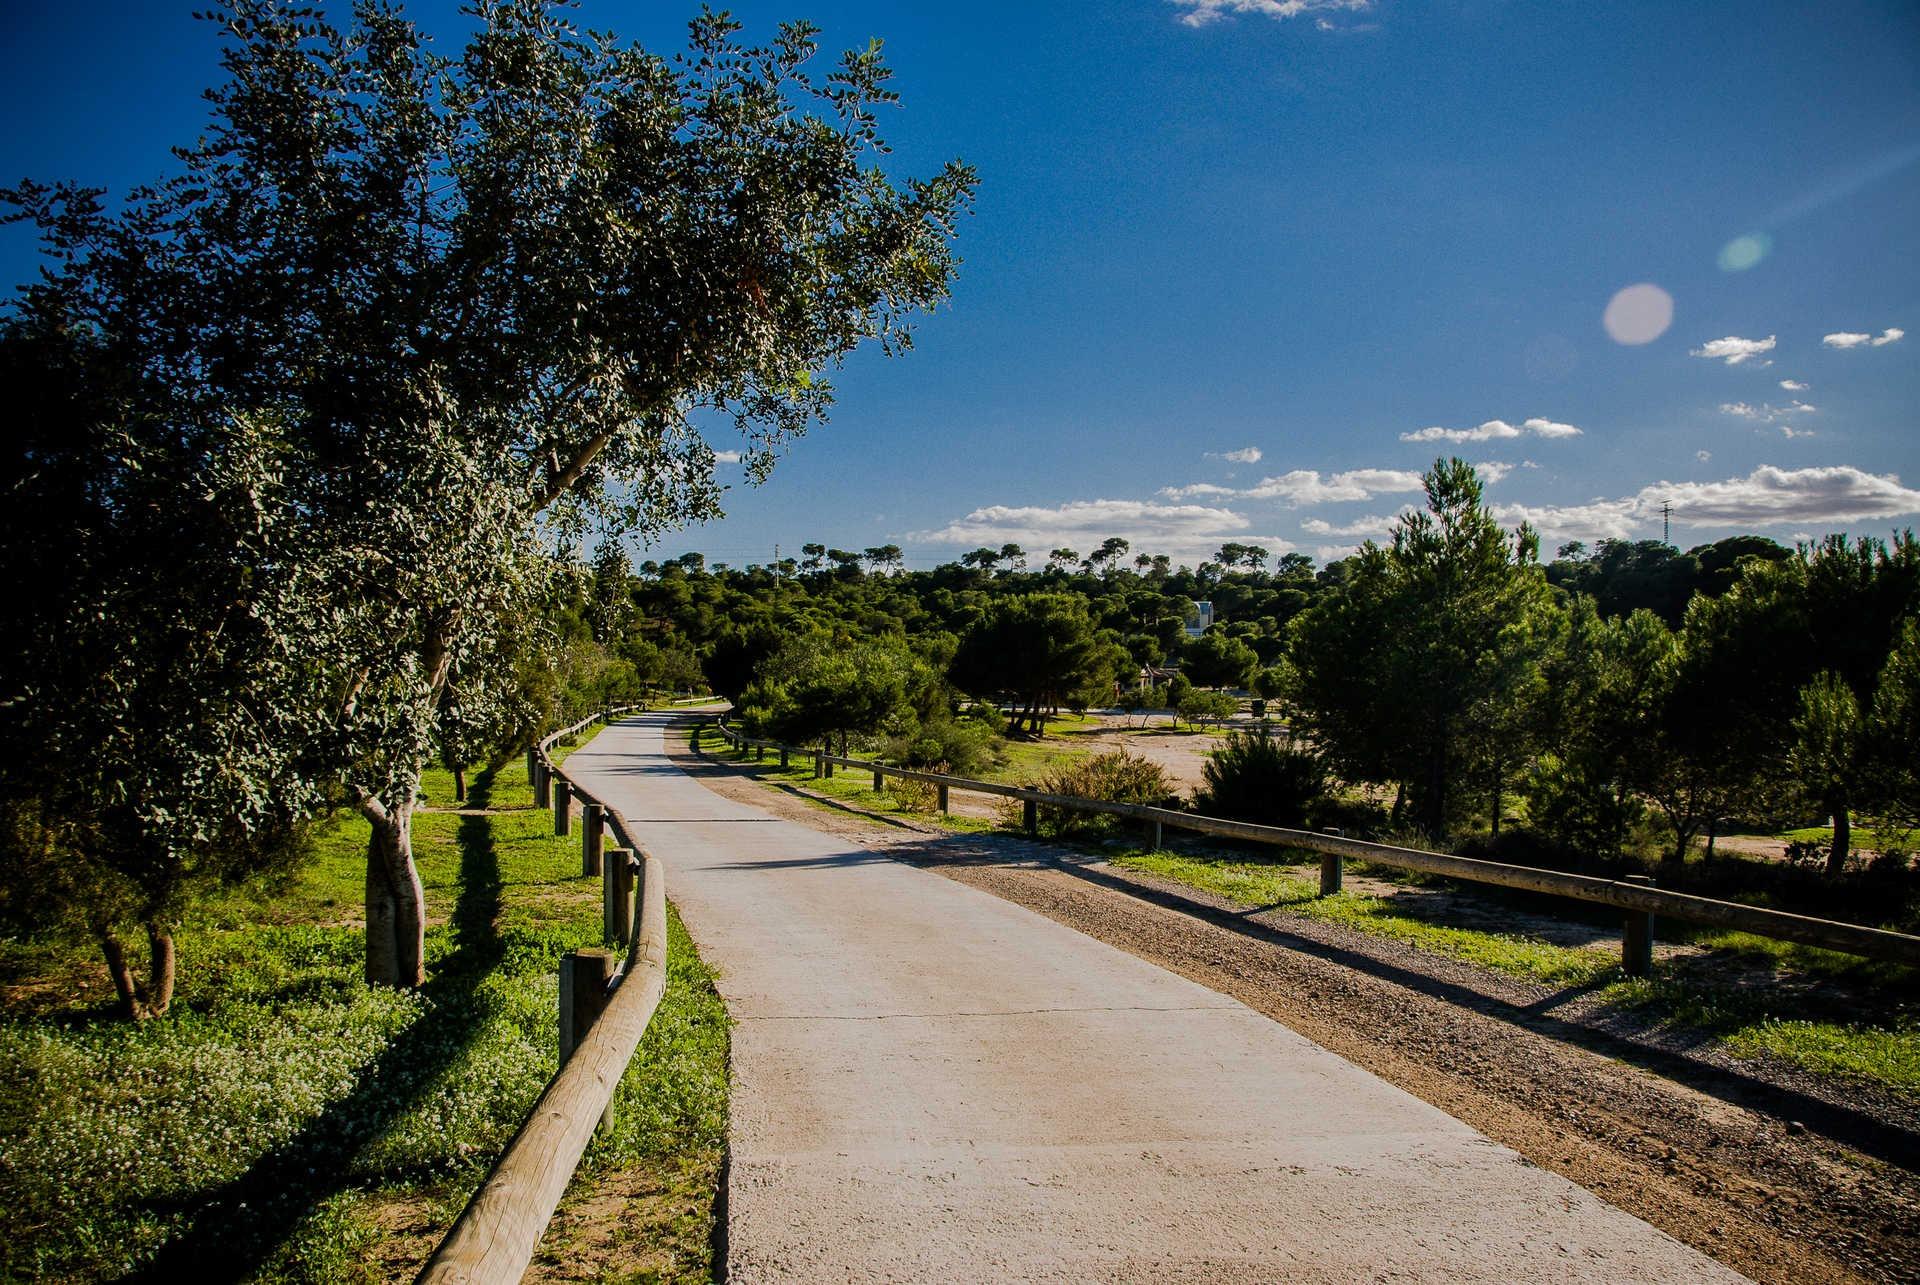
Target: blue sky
1348 236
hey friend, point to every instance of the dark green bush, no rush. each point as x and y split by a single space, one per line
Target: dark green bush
1255 777
1119 777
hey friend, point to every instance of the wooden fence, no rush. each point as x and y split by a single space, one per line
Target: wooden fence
1638 897
605 1005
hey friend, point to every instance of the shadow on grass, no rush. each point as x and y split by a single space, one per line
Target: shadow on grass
237 1227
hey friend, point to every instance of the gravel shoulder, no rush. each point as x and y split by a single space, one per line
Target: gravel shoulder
1775 1175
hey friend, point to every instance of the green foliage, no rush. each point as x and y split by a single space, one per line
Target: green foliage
257 1127
816 685
1218 659
1201 707
1426 662
964 745
446 311
1040 649
1262 778
1119 777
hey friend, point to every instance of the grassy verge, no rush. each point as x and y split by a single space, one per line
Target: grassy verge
284 1122
848 785
1752 994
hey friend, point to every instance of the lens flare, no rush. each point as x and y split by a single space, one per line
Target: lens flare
1744 252
1638 314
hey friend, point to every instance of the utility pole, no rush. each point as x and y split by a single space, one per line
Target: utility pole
1666 522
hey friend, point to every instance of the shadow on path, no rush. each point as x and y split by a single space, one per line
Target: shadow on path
237 1226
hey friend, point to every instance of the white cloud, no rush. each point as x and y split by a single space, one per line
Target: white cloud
1733 350
1703 456
1768 413
1306 486
1493 430
1245 455
1547 428
1197 489
1199 13
1190 532
1377 525
1794 385
1792 432
1768 496
1492 471
1856 339
726 457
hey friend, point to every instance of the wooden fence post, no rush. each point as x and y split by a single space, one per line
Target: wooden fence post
828 763
942 790
617 887
783 756
1030 816
1159 836
1333 871
879 781
584 975
562 806
540 784
593 831
1636 944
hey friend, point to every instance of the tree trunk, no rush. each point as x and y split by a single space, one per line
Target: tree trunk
1713 832
1399 813
140 1000
1682 840
1842 839
460 785
1498 782
396 902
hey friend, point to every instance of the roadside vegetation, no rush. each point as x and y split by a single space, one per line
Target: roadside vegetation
1832 1015
285 1122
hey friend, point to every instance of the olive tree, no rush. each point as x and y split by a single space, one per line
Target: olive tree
482 299
148 747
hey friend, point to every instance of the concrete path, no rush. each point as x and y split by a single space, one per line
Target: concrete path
932 1084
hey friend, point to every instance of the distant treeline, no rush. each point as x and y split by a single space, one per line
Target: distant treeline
1612 698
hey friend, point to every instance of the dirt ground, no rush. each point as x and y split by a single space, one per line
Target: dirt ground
1779 1177
1179 754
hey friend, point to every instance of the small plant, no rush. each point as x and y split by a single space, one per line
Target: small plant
1119 777
914 796
1262 778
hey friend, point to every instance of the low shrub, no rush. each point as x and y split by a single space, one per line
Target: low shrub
1255 777
963 744
915 796
1119 777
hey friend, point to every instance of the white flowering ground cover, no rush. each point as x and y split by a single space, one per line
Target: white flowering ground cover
286 1123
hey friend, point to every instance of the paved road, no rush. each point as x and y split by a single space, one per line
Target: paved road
932 1084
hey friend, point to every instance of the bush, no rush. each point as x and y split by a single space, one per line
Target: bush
1119 777
1207 707
1577 812
961 744
915 796
1264 779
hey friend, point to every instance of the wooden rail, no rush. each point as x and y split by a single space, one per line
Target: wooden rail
1639 899
498 1232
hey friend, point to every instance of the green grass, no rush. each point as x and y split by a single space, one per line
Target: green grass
1866 836
1278 886
848 785
1750 1016
258 1129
